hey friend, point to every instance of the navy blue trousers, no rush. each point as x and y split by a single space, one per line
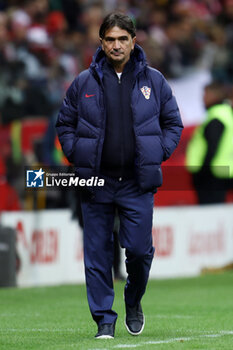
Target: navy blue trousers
135 210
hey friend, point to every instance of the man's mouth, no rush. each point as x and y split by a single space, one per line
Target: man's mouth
116 53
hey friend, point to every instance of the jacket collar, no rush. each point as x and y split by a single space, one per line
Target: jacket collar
137 55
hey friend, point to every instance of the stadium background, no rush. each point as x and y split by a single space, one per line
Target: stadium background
43 45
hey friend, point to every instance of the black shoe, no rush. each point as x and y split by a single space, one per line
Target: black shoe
106 331
134 320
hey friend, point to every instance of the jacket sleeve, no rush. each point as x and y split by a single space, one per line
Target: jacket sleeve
170 120
67 121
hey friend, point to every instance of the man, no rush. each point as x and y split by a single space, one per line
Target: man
119 121
209 152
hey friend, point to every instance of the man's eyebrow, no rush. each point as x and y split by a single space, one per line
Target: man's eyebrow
123 37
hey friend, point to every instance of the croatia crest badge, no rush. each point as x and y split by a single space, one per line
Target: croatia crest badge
146 92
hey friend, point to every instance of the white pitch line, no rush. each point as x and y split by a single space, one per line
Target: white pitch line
15 330
173 340
226 332
156 342
128 345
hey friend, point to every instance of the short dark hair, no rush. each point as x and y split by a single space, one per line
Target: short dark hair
117 20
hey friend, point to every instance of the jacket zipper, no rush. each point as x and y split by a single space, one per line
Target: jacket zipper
122 149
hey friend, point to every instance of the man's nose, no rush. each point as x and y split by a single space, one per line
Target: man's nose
116 44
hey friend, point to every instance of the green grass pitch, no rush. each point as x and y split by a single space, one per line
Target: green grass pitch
192 313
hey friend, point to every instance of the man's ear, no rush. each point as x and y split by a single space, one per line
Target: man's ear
134 42
101 42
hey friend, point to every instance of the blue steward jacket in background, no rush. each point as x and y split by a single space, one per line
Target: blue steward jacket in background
157 124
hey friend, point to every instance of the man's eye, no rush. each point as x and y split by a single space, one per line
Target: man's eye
124 38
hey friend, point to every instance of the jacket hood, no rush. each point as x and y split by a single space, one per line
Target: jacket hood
138 56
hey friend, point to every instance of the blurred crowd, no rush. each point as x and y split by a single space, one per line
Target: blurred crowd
44 44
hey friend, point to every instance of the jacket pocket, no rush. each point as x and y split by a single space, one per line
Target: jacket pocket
85 129
149 127
84 148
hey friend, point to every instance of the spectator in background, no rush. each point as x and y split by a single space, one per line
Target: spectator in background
209 153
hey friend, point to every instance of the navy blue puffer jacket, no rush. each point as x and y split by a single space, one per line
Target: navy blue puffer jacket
157 123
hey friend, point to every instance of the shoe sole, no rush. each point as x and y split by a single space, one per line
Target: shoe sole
132 333
104 337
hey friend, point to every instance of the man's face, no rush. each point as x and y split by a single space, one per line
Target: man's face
117 45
